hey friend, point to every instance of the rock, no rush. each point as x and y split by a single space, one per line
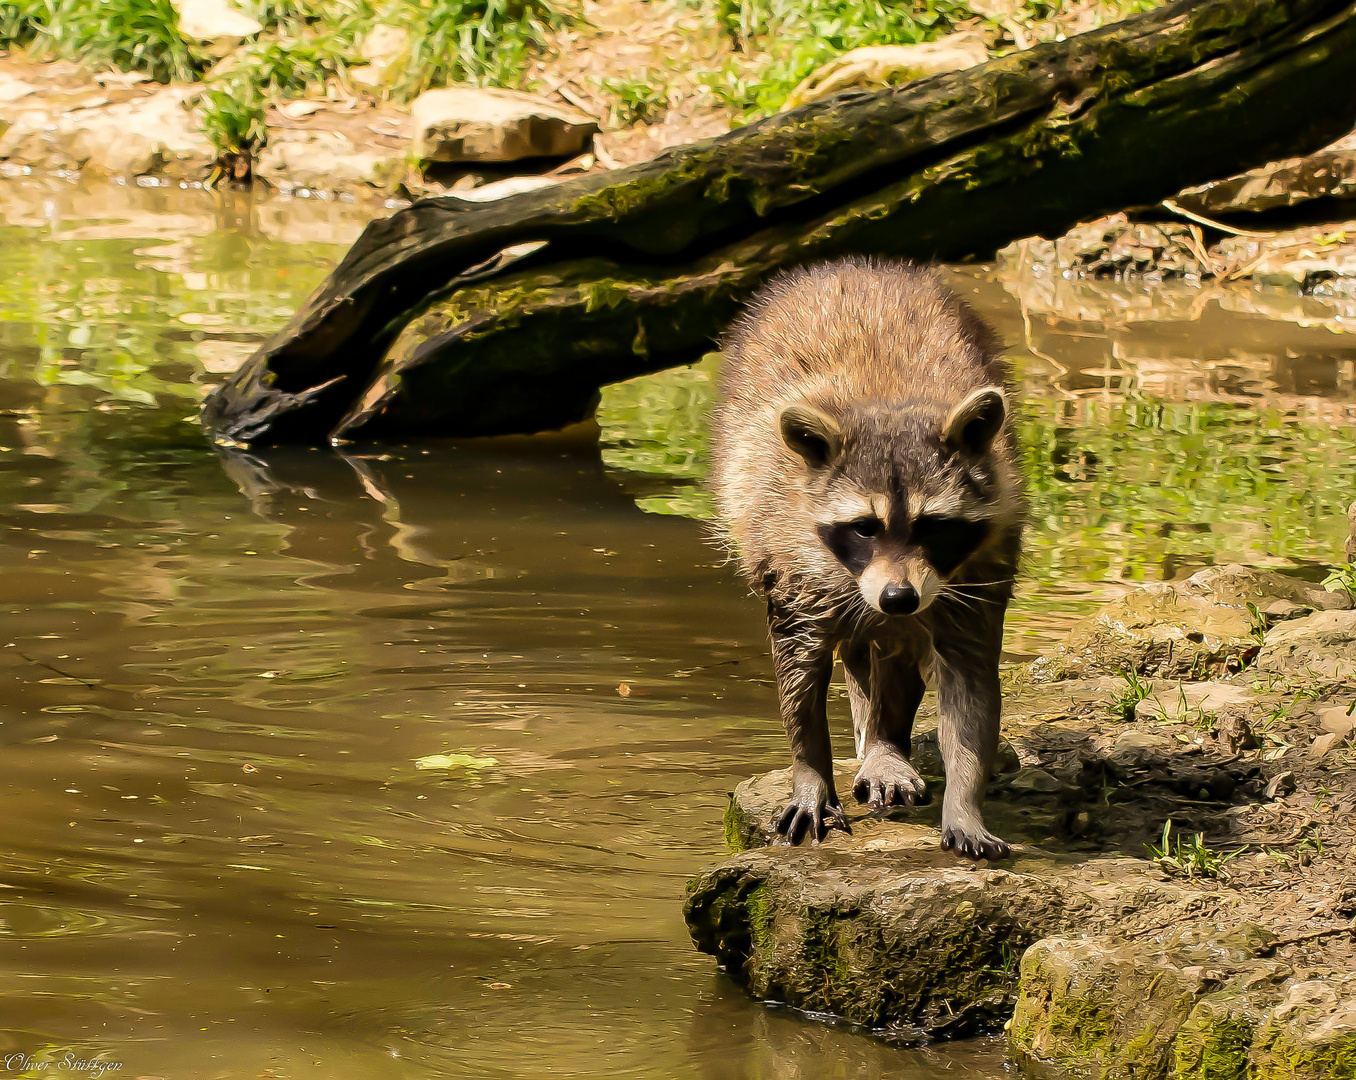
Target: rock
756 803
1135 748
1319 646
1328 174
217 25
1279 786
875 66
1311 1034
461 124
12 88
1339 720
898 937
1187 702
1321 745
148 136
1113 247
1234 734
1311 258
385 48
1033 781
327 161
1199 626
1186 1010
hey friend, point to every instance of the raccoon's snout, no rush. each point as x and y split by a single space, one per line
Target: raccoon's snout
899 600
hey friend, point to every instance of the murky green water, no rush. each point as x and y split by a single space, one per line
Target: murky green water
394 764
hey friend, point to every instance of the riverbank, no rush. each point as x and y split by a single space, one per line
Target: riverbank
1179 776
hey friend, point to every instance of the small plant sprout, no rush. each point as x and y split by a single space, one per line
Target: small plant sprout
1258 623
1123 702
639 99
1191 858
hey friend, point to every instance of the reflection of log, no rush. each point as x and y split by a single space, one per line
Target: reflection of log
540 299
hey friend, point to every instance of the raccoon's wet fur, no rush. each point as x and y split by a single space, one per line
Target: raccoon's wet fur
866 476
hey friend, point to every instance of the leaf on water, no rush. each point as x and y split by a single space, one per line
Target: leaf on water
454 761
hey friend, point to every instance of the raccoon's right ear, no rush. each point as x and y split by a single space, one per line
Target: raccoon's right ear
975 422
810 433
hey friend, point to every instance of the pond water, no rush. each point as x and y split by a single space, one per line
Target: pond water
394 763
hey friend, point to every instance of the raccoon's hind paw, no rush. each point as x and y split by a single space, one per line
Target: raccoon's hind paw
808 812
887 779
979 844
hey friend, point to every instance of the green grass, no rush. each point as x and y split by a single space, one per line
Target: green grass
1341 577
798 36
1191 858
636 100
131 35
483 42
1134 691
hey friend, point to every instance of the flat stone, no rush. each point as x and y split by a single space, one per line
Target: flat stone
326 161
1337 719
1324 743
1320 646
874 66
905 939
1186 701
217 25
756 803
462 124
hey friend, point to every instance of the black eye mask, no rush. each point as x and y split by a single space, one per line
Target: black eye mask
852 542
947 542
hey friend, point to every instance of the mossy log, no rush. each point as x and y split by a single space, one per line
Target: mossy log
456 318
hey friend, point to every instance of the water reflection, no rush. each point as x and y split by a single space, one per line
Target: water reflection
395 763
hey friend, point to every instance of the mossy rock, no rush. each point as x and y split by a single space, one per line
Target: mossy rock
1190 1008
1310 1035
1207 626
886 930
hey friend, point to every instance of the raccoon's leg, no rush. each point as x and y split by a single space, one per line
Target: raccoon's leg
969 700
885 693
803 667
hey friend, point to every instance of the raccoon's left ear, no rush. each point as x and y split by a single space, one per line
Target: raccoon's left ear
975 423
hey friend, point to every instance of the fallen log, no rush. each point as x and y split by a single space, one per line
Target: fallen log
458 318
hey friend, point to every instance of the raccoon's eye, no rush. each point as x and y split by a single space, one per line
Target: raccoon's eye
867 527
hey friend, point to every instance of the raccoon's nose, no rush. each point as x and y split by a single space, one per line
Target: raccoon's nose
899 599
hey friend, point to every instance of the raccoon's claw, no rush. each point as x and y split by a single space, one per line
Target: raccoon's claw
979 845
887 779
808 813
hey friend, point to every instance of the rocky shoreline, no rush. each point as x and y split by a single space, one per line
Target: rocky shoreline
1222 703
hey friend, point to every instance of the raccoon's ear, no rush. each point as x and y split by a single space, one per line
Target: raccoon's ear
814 436
975 422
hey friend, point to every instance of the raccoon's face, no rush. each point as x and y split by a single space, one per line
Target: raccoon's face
901 506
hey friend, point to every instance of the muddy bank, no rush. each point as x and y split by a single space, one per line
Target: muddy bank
1221 704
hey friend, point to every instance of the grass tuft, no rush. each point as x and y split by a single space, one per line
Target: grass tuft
1123 702
1189 859
131 35
798 36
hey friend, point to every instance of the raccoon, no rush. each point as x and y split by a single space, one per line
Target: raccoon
866 477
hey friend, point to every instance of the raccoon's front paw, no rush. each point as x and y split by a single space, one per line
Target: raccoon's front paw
975 842
887 779
813 809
